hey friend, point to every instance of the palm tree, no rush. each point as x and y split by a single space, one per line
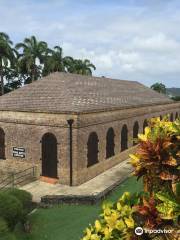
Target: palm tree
6 57
83 67
54 62
69 65
33 54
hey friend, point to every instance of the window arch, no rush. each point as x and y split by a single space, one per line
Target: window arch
124 138
171 117
92 149
110 143
176 115
145 124
2 144
135 132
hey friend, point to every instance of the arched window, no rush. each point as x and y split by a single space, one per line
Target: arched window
49 155
176 115
145 124
124 138
2 144
171 117
92 149
135 132
110 143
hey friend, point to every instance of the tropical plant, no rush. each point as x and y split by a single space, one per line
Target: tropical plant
78 66
159 87
116 221
158 156
54 62
31 58
7 57
169 206
158 207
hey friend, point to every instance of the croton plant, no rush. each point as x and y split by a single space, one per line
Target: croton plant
157 207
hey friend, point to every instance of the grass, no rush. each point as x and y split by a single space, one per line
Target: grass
67 222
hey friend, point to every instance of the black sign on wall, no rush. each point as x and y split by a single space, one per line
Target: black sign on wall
19 152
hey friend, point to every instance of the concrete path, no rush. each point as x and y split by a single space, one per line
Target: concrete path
103 182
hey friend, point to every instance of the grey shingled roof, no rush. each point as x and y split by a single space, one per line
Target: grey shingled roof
72 93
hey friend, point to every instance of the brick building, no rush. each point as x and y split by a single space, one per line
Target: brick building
74 127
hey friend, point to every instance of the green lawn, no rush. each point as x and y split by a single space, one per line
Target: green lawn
68 222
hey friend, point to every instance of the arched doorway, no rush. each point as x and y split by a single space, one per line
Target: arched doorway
124 138
110 143
92 149
135 132
2 144
145 124
49 155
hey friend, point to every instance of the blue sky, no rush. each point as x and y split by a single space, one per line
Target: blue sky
126 39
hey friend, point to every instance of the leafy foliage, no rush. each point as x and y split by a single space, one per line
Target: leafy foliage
169 207
157 160
10 209
15 205
31 59
158 156
159 87
116 221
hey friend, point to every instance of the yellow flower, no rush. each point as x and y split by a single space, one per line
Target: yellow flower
95 237
129 222
134 159
88 234
97 226
107 211
119 207
120 225
112 219
107 233
144 137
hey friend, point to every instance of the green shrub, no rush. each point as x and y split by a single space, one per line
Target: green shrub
8 236
4 231
24 197
11 209
3 227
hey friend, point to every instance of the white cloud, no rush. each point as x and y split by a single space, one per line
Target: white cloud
137 40
158 42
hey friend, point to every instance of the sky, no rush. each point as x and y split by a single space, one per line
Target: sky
125 39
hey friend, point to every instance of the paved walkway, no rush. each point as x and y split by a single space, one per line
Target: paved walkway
105 181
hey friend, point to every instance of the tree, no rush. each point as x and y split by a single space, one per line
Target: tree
7 57
54 62
159 87
176 98
83 67
33 54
